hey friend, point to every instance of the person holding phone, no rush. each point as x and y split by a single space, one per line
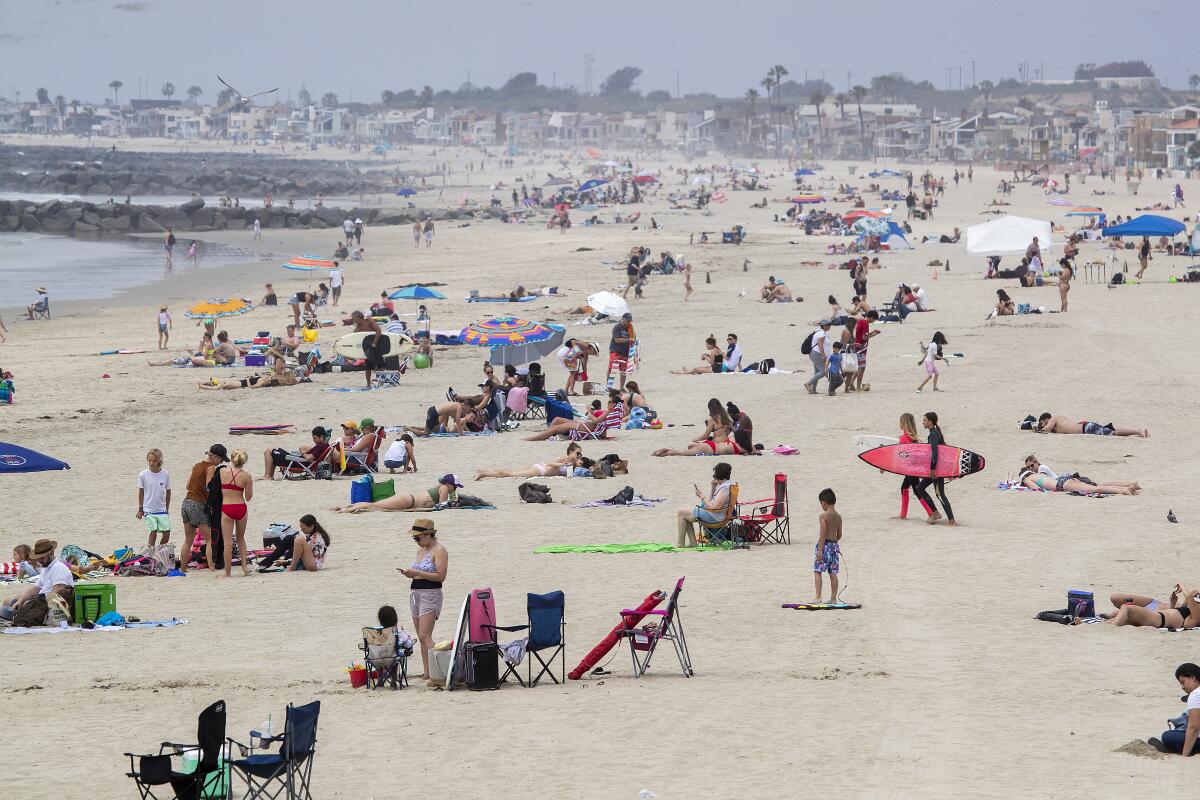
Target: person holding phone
710 509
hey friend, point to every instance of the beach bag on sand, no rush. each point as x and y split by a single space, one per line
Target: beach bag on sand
361 490
534 493
621 498
382 489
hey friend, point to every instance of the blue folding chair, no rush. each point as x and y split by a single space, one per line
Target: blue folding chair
270 775
547 629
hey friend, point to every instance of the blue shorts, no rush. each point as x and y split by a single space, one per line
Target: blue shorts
827 559
704 515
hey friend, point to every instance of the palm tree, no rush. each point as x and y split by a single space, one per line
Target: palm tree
168 89
859 91
329 100
60 103
986 87
816 98
43 97
768 83
116 87
780 73
1194 82
840 99
75 107
751 98
193 93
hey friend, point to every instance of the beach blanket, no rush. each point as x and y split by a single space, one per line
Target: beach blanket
487 432
462 508
635 547
1005 486
638 500
524 299
170 623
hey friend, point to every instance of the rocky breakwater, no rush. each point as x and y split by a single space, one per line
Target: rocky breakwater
95 219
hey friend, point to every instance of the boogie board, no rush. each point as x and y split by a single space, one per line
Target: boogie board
390 344
913 460
823 606
868 442
239 430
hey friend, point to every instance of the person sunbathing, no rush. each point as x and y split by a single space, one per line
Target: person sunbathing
713 358
1035 476
1175 616
1005 305
561 467
1057 423
1119 599
431 498
280 375
717 439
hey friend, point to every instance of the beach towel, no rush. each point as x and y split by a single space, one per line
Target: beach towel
636 500
486 432
1005 486
635 547
784 450
524 299
170 623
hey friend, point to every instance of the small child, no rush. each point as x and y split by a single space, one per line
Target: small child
827 554
19 565
154 497
834 368
164 327
933 354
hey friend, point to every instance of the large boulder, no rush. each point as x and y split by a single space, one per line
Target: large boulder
91 218
278 221
391 216
84 228
316 223
10 223
174 220
101 188
191 206
147 224
57 224
202 217
49 207
116 224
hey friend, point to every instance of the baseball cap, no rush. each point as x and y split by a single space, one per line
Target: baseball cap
450 479
219 451
824 322
351 424
366 422
627 315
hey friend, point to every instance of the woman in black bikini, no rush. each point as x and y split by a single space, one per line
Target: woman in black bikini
1175 616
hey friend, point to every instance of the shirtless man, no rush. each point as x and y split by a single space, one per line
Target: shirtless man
1056 423
776 292
225 353
290 342
439 416
370 345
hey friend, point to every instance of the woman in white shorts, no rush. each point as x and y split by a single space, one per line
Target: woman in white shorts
428 573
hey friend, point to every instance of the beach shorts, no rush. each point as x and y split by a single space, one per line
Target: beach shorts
827 559
931 368
162 327
431 419
618 362
393 464
862 357
337 292
1060 482
195 514
157 522
1096 429
704 515
425 601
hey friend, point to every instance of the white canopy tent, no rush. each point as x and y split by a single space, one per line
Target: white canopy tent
1008 235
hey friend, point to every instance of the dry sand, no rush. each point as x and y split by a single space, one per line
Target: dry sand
943 685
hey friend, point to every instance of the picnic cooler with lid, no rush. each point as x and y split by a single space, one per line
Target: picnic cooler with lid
94 600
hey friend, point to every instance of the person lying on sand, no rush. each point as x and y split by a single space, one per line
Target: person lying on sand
1057 423
561 467
452 417
1119 599
1035 476
280 375
430 498
1175 616
713 358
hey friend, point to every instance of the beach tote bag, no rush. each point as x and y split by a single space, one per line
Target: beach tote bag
361 490
382 489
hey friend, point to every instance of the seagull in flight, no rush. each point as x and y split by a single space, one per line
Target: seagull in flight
243 98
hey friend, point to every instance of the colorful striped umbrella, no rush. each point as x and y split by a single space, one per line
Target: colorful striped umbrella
503 331
307 263
863 212
1085 211
808 198
416 292
218 307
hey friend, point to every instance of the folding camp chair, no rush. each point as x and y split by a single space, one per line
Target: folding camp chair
386 658
367 461
297 468
517 402
547 628
537 396
727 530
41 309
289 770
208 779
644 639
768 519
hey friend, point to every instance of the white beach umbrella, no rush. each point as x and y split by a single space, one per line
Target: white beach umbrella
699 179
1007 235
608 304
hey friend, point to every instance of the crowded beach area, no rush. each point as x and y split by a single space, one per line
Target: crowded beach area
750 355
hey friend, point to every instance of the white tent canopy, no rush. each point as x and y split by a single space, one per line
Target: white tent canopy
1008 235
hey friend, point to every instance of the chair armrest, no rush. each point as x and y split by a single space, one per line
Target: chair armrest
506 628
176 747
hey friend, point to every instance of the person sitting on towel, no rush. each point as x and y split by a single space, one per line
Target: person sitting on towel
30 606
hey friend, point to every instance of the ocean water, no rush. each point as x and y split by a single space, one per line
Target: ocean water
335 201
86 269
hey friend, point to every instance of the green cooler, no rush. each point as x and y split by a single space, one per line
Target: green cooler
94 600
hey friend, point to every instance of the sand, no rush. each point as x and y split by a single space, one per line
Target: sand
943 685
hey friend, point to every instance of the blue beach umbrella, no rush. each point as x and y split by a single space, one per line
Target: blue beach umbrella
592 184
416 292
406 192
800 173
14 458
1146 225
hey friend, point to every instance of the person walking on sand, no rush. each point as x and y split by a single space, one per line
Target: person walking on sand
194 253
827 554
427 229
862 340
1143 256
337 277
909 435
416 232
619 348
169 246
933 354
164 327
257 230
370 345
686 267
237 489
818 354
935 440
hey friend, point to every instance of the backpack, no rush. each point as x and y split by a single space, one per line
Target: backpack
767 364
806 348
534 493
621 498
1117 279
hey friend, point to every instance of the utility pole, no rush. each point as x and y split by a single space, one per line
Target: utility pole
553 80
960 78
949 78
677 95
973 84
589 62
847 80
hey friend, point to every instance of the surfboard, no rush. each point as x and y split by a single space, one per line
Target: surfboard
868 442
391 344
460 638
913 460
241 430
823 606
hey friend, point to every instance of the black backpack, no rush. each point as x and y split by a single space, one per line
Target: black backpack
621 498
806 348
534 493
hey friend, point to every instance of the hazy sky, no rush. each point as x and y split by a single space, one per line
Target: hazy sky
357 48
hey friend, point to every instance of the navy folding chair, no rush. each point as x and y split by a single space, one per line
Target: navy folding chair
288 773
208 779
547 629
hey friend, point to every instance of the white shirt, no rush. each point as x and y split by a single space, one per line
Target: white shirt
820 343
922 300
930 353
257 225
348 226
396 326
154 486
733 359
397 452
1193 700
335 278
56 574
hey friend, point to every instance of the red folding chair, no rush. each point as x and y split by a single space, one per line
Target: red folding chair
768 519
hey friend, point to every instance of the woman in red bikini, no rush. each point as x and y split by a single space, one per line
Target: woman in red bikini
237 488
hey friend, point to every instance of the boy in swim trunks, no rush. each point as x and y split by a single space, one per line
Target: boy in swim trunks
828 553
1056 423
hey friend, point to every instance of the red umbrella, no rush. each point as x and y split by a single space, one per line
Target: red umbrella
645 179
859 213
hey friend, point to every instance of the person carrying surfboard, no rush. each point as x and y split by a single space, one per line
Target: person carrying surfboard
370 345
935 440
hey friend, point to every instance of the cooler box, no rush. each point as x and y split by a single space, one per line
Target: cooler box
263 340
94 600
256 360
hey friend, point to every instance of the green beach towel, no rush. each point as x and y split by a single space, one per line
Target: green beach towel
635 547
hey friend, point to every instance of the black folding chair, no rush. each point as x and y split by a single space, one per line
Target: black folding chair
286 774
208 779
547 631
